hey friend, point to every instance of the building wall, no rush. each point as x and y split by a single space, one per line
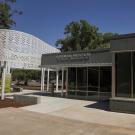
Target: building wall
22 50
124 44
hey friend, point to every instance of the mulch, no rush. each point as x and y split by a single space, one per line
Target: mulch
10 103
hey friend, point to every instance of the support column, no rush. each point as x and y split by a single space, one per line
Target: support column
3 82
48 79
44 80
66 81
62 82
8 68
57 81
41 79
43 85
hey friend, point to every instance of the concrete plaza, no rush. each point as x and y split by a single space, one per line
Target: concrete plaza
86 111
21 122
59 116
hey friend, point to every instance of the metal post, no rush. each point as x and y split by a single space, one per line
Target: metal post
57 80
62 82
48 80
3 82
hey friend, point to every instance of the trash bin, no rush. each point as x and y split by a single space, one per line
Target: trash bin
52 90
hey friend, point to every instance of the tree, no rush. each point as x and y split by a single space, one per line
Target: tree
6 14
83 36
106 39
25 75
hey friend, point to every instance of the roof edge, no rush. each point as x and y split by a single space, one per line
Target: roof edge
123 36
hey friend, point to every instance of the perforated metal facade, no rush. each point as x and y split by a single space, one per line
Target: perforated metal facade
22 50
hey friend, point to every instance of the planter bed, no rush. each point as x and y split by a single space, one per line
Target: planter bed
10 103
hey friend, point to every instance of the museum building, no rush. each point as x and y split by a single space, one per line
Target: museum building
97 74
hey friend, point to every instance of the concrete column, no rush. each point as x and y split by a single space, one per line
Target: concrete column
3 82
57 81
62 85
48 79
41 79
44 80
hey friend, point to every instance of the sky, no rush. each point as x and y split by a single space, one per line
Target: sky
46 19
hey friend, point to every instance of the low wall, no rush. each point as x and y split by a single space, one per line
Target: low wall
122 105
28 100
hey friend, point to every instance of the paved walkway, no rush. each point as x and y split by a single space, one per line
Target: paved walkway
20 122
82 110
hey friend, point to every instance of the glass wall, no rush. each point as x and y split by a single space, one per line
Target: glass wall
81 81
105 79
89 81
124 74
72 80
93 81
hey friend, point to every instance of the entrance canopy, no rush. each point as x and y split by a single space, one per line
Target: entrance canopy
98 57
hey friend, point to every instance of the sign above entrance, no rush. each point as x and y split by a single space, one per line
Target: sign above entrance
73 56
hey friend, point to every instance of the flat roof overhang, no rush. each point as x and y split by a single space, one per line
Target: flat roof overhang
97 57
76 65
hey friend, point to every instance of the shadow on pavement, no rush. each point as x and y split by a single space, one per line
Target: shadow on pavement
102 105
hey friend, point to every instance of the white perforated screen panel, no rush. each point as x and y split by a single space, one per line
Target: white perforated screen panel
22 50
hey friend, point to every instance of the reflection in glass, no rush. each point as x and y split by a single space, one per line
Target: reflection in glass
82 78
71 78
84 81
123 74
105 79
81 81
93 78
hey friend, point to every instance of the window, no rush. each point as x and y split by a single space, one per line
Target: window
93 78
82 79
105 79
71 78
123 74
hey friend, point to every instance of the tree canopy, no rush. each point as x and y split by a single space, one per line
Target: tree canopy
83 36
25 75
7 13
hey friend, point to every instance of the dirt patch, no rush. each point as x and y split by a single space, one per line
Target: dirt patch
10 103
